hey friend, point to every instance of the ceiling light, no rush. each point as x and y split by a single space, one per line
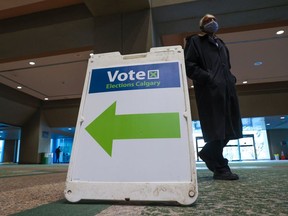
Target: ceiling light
32 63
245 82
19 87
258 63
46 98
280 32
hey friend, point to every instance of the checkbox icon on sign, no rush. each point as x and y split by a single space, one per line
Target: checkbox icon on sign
153 74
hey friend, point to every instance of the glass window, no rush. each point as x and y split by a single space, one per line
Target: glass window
253 145
1 150
65 147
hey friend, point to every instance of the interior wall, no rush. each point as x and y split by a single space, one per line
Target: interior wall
46 32
74 28
44 136
268 104
30 140
125 33
9 148
275 138
62 116
251 105
137 32
15 106
256 100
107 37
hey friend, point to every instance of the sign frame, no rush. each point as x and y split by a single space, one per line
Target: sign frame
183 191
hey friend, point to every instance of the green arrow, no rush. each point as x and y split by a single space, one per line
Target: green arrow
109 126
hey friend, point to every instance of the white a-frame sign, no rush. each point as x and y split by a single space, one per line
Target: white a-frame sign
133 136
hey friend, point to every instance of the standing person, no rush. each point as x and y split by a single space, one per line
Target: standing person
208 65
57 152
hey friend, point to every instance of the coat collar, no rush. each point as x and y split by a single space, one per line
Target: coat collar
210 39
203 34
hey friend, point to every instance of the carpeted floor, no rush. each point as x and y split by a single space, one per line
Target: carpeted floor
28 186
261 190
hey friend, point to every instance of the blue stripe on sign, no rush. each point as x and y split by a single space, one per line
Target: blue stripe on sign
135 77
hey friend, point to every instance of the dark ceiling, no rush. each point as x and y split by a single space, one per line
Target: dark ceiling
248 27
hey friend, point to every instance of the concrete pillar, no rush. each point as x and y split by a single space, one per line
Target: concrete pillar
35 139
127 33
9 150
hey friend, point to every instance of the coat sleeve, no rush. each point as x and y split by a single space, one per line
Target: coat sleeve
228 56
194 63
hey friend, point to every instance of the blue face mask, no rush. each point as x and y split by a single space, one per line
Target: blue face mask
211 27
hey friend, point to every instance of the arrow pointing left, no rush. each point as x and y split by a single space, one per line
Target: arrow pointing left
108 126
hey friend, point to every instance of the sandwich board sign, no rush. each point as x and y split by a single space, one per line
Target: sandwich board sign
133 136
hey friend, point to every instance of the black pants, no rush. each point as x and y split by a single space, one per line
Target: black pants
214 151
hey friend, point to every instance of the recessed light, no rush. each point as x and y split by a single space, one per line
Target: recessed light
32 63
46 98
258 63
245 82
19 87
280 32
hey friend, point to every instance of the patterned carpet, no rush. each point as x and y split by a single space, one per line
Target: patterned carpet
7 170
261 190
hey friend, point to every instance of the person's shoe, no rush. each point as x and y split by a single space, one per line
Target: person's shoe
209 163
228 175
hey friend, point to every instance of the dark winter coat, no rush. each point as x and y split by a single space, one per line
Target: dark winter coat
208 65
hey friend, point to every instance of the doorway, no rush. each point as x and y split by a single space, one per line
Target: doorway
236 150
